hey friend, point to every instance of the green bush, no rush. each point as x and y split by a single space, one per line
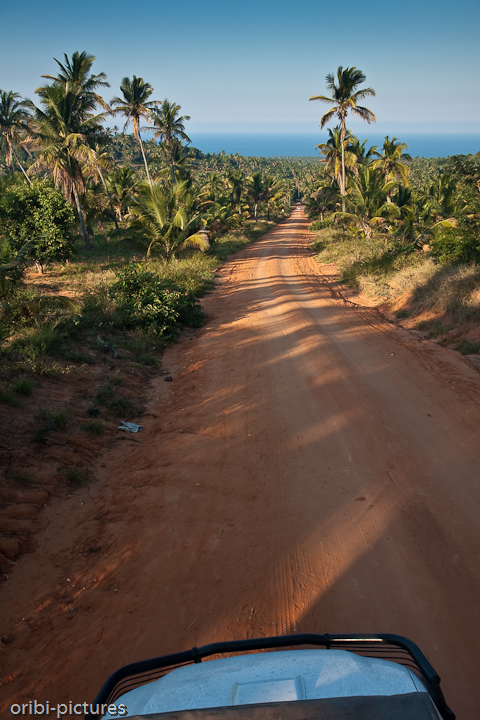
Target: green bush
320 225
468 347
460 244
24 386
76 476
94 427
28 212
144 300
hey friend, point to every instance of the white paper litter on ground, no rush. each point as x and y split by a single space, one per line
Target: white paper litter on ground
130 427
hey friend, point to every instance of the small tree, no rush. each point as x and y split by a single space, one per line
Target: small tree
37 211
164 222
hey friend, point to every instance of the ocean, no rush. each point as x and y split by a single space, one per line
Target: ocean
303 144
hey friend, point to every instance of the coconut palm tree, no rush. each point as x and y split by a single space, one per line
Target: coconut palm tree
62 132
14 125
75 75
178 161
367 200
255 190
95 164
362 155
167 125
163 221
442 199
325 198
390 162
236 182
345 97
135 105
122 185
337 153
273 190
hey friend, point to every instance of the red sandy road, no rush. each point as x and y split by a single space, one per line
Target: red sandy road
311 468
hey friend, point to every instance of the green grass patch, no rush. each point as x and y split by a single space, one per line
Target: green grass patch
8 398
59 419
24 386
108 396
62 417
94 427
76 477
433 328
149 359
468 347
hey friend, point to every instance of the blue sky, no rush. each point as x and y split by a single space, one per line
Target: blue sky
252 66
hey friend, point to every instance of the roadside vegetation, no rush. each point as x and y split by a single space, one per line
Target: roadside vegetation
104 234
108 241
403 230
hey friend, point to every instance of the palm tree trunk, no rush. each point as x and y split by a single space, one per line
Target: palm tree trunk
169 157
83 228
108 195
342 140
144 159
21 166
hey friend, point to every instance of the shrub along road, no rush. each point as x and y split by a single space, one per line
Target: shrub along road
310 468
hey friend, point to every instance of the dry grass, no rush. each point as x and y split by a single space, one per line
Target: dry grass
412 281
453 290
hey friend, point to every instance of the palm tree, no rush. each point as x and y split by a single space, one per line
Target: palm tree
255 190
322 200
236 181
390 162
362 155
345 97
337 154
167 125
62 131
443 198
122 184
164 223
179 160
272 191
75 75
135 105
14 119
367 200
98 161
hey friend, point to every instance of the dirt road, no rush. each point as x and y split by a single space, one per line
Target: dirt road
310 468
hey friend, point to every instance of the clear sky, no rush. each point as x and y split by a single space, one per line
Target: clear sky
252 65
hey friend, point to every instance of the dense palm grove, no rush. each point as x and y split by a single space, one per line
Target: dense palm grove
68 181
371 190
171 196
